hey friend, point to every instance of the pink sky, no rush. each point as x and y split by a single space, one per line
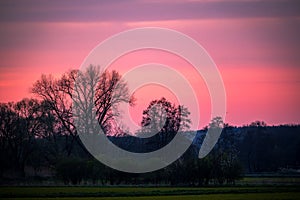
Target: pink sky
255 45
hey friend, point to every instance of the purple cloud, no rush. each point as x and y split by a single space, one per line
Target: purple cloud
95 10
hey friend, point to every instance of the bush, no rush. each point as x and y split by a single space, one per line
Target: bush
71 170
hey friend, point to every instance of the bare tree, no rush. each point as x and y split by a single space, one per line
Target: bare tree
57 93
7 130
19 125
111 91
83 93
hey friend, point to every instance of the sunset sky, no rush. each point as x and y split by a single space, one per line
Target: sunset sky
255 45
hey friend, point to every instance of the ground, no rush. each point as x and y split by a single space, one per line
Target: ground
145 193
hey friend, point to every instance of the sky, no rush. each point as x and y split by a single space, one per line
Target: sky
254 44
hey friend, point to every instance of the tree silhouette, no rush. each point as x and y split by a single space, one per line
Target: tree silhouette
165 119
84 93
19 125
57 92
110 92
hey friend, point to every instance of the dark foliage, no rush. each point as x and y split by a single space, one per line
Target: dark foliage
41 135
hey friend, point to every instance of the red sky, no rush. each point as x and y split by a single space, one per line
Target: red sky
255 45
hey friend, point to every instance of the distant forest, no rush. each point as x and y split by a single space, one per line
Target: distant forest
39 139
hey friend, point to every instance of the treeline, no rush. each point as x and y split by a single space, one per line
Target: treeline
31 138
254 148
39 137
269 148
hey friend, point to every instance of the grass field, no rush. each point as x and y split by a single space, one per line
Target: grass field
145 193
269 181
261 196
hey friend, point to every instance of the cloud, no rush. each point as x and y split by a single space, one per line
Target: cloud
95 10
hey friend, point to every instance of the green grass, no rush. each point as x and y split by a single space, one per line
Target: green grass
269 181
291 192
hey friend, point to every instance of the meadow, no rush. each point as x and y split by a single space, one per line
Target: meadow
145 193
